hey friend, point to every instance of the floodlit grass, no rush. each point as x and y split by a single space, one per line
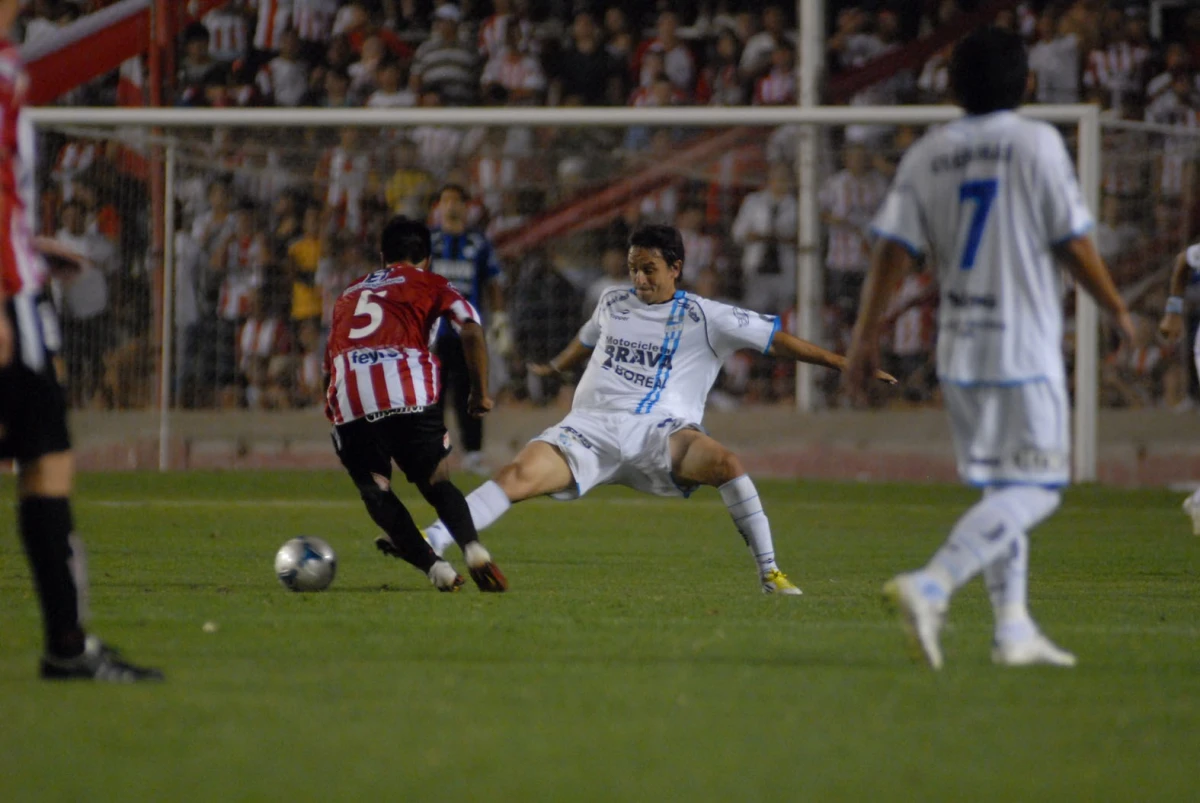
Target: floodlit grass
633 659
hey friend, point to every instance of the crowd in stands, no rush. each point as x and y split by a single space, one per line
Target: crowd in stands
270 227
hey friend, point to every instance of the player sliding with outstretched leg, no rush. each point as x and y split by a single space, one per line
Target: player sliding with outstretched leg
653 353
992 200
383 395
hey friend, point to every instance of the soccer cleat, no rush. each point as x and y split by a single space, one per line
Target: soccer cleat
96 662
1191 506
921 608
474 463
444 578
1032 651
776 582
486 574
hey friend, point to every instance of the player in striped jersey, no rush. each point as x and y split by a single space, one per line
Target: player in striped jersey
384 387
1172 328
33 414
652 353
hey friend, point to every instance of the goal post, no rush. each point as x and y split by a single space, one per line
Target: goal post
170 125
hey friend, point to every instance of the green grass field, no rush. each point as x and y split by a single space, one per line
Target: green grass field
633 659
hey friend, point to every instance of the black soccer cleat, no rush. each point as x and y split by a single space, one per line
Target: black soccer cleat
97 662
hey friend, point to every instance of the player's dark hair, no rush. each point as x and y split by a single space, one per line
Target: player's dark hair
665 238
988 70
405 240
460 189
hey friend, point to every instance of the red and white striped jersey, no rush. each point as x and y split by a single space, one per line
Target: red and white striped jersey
854 200
348 176
313 19
245 258
274 17
262 338
21 267
915 327
228 35
493 30
521 72
776 88
1118 70
380 339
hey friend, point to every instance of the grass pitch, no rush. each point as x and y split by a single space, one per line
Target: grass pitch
633 659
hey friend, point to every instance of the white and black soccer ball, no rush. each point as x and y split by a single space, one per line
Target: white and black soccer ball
306 564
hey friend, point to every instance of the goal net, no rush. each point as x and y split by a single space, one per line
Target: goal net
219 238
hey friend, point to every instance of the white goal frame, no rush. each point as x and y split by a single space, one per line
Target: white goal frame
1085 118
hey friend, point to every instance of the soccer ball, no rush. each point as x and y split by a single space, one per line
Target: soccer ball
305 564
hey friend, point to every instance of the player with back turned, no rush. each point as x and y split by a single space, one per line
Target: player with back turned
384 387
33 414
992 199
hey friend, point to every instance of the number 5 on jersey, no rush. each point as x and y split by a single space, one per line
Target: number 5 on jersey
370 309
983 193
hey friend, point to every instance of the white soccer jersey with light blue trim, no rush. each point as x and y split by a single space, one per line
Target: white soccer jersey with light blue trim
987 198
662 359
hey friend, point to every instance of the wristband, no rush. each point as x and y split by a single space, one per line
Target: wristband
1175 305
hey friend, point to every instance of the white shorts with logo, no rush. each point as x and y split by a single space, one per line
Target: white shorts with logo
1011 434
617 449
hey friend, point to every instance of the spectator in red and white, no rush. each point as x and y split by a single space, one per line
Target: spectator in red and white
493 172
274 17
445 66
229 30
933 84
720 82
196 64
777 87
586 74
391 90
849 200
438 146
239 258
518 73
75 158
765 228
493 30
265 353
912 314
348 173
1176 106
1116 74
758 47
283 80
1054 60
313 21
678 63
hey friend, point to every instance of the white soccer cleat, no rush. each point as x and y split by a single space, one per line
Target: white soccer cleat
1032 651
921 608
1191 506
444 578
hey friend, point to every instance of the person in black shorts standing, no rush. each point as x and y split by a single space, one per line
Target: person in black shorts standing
384 388
33 412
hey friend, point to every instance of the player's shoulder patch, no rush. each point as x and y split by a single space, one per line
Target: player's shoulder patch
614 296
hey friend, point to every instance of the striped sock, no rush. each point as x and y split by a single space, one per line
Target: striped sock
741 498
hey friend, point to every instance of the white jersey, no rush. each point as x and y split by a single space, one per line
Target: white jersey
662 358
987 198
1192 255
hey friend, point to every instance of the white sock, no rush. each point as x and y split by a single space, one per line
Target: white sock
488 502
987 531
1007 580
741 497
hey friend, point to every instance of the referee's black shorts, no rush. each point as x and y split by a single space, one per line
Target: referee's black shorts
417 441
33 409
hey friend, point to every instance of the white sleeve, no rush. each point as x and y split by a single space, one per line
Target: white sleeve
589 333
1192 255
1062 208
901 218
732 328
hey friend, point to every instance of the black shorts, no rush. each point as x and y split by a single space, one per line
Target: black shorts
417 442
33 409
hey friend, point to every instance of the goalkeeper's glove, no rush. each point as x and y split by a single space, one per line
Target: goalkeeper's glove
499 333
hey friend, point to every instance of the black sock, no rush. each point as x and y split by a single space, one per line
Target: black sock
394 519
452 509
45 524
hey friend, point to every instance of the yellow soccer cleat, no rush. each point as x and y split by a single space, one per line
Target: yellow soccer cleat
776 582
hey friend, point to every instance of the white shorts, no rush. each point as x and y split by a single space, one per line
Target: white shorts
617 449
1011 434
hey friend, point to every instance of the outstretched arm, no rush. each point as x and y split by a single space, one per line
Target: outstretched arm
565 360
1171 325
475 351
889 262
792 347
